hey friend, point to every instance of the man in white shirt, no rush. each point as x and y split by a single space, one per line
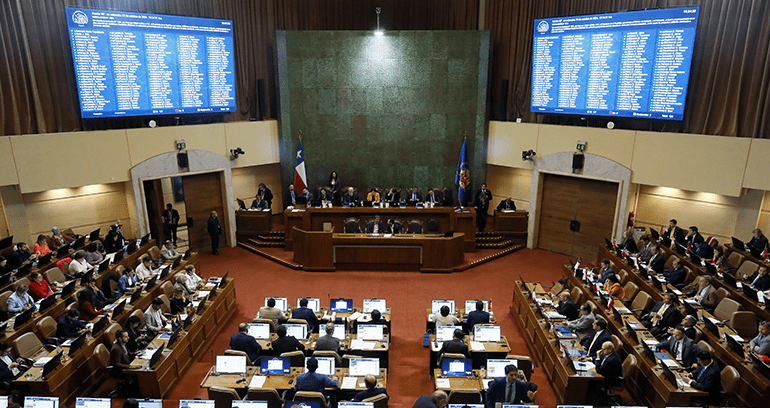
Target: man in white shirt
168 252
194 282
79 264
761 343
144 270
153 316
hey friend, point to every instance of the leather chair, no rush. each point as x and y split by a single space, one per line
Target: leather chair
618 344
313 396
140 314
736 259
266 321
448 355
630 371
223 396
154 253
705 346
747 268
270 395
4 304
22 281
299 321
464 396
54 275
744 323
432 226
642 303
523 363
46 329
166 307
698 335
631 289
352 226
722 293
398 225
414 227
670 261
379 401
577 295
689 277
120 270
297 358
239 353
328 353
28 346
731 379
110 333
168 288
725 309
623 277
105 381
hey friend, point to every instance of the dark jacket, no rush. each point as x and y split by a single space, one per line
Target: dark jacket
285 344
568 309
497 388
477 317
368 393
249 345
68 329
504 205
306 314
610 367
597 345
455 346
213 226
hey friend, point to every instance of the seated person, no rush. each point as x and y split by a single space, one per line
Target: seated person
86 306
681 347
566 305
241 341
324 196
136 339
10 368
306 197
657 261
144 270
79 265
98 299
759 280
312 381
284 343
663 316
628 242
350 197
375 227
456 345
371 389
478 316
154 320
707 377
705 294
608 364
180 283
703 250
39 287
69 325
94 254
688 325
413 195
258 203
511 389
272 313
290 197
612 285
645 253
432 198
437 400
761 343
306 314
394 227
373 195
120 356
20 256
178 303
377 318
758 240
126 281
443 318
583 325
676 274
393 196
606 269
194 282
328 341
20 300
593 343
41 246
59 240
168 253
692 236
506 205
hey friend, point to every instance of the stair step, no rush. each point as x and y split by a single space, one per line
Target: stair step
260 243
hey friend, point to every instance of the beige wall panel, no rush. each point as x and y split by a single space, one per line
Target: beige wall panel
3 222
246 180
756 175
15 213
683 161
507 140
7 165
258 139
763 221
83 209
147 142
616 145
90 157
130 225
505 181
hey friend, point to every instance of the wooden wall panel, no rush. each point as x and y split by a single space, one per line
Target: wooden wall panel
508 181
3 222
763 222
8 174
203 193
246 180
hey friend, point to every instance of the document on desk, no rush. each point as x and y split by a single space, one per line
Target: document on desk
682 383
203 293
477 346
486 382
41 362
387 235
257 381
348 383
147 354
584 365
692 301
554 315
358 344
329 315
443 383
67 343
355 316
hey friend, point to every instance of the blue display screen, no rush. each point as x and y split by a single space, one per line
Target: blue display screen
456 367
275 365
632 64
134 64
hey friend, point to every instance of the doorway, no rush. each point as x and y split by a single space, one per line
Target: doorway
158 193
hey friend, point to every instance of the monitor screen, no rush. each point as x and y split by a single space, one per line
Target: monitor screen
275 365
280 303
370 332
342 305
297 330
302 404
486 333
196 403
339 331
375 304
249 404
259 330
135 64
470 305
3 401
456 367
435 306
41 402
465 405
520 406
325 365
445 333
347 404
496 367
360 367
150 403
93 403
634 64
313 304
231 364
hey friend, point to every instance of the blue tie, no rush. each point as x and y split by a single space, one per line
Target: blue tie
703 370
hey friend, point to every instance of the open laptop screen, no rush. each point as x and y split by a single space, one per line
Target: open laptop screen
435 305
445 333
313 304
496 367
370 332
150 403
280 303
374 304
360 367
249 404
486 333
325 365
259 330
231 364
470 305
456 367
41 402
297 330
339 331
196 403
342 305
275 365
93 403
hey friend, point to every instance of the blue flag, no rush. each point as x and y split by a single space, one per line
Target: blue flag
463 176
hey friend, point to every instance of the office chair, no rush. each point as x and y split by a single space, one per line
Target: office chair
223 396
415 227
352 226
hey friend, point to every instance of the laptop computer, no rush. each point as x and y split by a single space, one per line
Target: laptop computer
52 364
187 253
135 296
5 279
63 251
150 283
738 244
736 347
750 292
103 266
6 242
695 258
100 325
94 235
176 263
607 243
157 356
46 303
22 318
756 253
145 240
77 343
241 204
174 337
118 309
730 280
223 282
654 234
45 259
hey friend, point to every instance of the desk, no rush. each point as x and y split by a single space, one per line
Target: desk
512 224
325 251
252 223
316 219
461 315
494 350
474 382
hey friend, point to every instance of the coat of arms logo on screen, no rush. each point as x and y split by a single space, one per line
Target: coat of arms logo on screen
79 17
542 27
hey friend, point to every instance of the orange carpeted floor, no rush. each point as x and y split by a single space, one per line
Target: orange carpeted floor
408 295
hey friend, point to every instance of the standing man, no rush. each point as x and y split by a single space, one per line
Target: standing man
170 222
485 191
290 197
481 203
510 389
215 230
674 232
264 194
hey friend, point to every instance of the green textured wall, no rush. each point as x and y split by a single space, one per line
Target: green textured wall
383 111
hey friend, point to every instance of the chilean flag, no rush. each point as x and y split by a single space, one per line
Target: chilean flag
300 177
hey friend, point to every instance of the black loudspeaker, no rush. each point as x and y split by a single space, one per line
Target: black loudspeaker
574 225
260 102
503 108
181 160
577 161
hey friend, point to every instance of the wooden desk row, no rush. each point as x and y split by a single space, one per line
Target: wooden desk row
494 350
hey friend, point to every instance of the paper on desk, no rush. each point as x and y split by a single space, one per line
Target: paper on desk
203 293
329 315
387 235
682 383
584 365
257 381
554 315
147 354
358 344
355 316
67 343
739 285
737 338
477 346
677 292
669 362
651 342
443 383
691 301
41 362
486 382
348 383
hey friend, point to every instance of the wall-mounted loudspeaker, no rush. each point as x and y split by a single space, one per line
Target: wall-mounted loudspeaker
181 160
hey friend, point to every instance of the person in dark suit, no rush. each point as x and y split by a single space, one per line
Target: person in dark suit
432 198
608 364
285 343
289 197
264 194
703 250
243 342
115 239
567 306
370 227
593 343
628 242
350 198
258 203
393 196
645 252
10 368
437 400
306 314
335 184
692 236
371 389
707 377
456 345
657 263
688 325
377 318
663 316
484 190
414 195
214 230
306 197
69 325
170 222
136 340
394 227
478 316
673 232
120 357
758 240
606 270
506 204
510 389
676 274
759 280
312 381
681 347
481 203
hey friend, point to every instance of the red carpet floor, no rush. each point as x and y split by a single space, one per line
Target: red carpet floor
408 295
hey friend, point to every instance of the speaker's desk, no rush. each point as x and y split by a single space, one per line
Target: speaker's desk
325 251
333 219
